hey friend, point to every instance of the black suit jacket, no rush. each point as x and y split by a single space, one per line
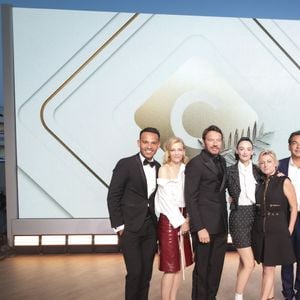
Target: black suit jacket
205 194
284 165
127 198
233 182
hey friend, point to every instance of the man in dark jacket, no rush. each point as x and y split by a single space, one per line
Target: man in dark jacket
131 208
205 184
290 166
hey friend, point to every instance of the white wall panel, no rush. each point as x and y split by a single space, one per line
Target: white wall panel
77 114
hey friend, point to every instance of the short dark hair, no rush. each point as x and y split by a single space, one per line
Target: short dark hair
242 139
150 129
292 135
211 128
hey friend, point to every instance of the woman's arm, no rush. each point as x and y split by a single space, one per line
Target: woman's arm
290 193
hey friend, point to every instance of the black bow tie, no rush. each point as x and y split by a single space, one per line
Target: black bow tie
150 163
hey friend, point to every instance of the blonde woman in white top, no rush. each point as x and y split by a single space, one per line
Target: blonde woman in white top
173 225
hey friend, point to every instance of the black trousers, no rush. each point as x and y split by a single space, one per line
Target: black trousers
209 260
291 279
139 249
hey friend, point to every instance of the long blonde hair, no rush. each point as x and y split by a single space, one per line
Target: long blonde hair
168 146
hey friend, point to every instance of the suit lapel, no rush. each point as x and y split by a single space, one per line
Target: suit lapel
286 166
209 164
142 173
156 168
256 173
236 176
224 180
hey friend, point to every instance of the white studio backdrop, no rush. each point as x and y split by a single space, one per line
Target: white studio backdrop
87 82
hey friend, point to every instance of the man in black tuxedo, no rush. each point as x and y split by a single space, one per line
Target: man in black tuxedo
290 166
131 208
205 184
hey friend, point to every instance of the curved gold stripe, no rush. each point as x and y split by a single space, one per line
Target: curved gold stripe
43 107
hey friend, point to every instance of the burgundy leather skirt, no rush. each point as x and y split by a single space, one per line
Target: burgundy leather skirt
169 247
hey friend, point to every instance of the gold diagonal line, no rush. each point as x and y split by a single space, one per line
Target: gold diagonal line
43 107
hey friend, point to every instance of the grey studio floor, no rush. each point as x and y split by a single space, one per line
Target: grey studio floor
100 276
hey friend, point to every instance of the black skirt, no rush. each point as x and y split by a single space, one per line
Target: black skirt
240 225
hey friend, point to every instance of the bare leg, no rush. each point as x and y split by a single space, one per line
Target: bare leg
169 285
245 268
166 285
175 286
267 282
271 295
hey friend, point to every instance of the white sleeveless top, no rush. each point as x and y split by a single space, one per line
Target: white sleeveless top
169 197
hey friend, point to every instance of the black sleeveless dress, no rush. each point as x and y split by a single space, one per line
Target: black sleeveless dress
271 240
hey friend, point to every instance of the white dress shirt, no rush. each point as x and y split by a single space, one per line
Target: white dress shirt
150 173
247 184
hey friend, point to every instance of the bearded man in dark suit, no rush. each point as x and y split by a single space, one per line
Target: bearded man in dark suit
290 166
131 208
205 184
